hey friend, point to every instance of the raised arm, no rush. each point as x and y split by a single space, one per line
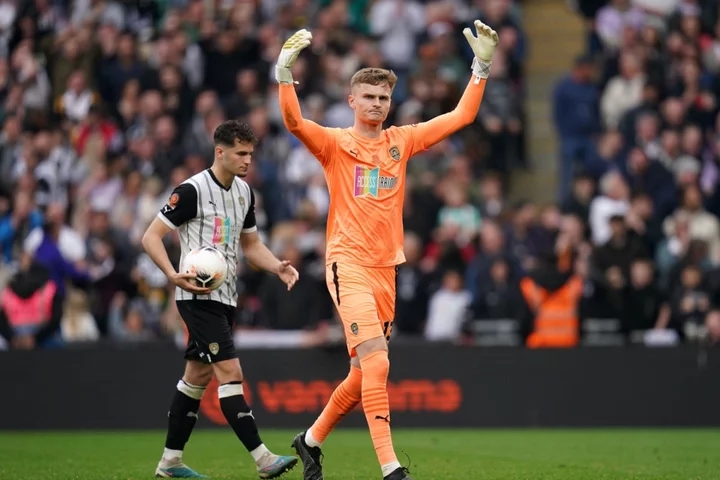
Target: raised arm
429 133
439 128
312 135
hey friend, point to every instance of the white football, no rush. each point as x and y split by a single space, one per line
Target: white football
208 265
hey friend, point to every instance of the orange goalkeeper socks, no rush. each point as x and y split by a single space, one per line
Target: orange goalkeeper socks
375 370
343 400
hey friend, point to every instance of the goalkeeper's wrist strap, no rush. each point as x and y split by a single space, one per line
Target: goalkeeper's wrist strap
283 75
480 69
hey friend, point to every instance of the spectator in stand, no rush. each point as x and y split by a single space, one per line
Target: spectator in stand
613 18
414 285
10 150
283 310
501 299
493 203
448 309
48 249
458 212
646 175
16 226
78 324
74 104
701 225
641 124
623 92
492 248
576 118
613 200
519 234
606 155
611 264
583 192
688 304
644 300
642 220
500 113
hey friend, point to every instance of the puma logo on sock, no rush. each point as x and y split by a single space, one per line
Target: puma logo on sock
387 419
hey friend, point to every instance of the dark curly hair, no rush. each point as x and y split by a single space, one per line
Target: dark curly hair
229 131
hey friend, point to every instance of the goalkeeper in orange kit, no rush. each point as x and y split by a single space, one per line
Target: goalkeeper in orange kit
365 170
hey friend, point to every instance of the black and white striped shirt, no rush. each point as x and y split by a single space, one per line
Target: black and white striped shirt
208 214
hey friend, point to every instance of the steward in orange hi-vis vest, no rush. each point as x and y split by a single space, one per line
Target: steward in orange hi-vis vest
553 298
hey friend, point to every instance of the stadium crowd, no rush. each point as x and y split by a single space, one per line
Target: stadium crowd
637 118
106 106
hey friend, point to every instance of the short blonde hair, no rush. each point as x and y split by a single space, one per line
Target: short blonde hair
374 76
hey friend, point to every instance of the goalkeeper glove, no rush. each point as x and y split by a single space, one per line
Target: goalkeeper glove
483 45
289 54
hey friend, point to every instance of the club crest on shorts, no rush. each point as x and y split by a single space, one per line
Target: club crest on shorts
354 328
394 153
214 348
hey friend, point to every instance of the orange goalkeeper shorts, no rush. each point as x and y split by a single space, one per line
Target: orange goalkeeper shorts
365 299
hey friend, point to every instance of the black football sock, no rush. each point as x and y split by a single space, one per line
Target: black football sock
183 415
238 414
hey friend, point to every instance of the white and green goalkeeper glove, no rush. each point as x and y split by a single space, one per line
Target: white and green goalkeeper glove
483 45
289 54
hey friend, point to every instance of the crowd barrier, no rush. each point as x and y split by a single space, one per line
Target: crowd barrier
430 386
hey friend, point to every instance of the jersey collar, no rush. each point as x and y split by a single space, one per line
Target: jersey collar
217 182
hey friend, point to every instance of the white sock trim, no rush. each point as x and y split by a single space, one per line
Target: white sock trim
389 468
172 454
230 390
310 440
193 391
258 453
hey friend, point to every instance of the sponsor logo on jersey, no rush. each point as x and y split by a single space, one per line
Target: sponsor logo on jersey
370 182
221 232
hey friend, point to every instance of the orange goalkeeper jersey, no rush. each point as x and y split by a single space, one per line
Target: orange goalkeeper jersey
366 176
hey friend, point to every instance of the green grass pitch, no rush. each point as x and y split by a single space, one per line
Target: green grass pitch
608 454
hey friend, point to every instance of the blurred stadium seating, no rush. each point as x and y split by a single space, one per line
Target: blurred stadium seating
108 105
